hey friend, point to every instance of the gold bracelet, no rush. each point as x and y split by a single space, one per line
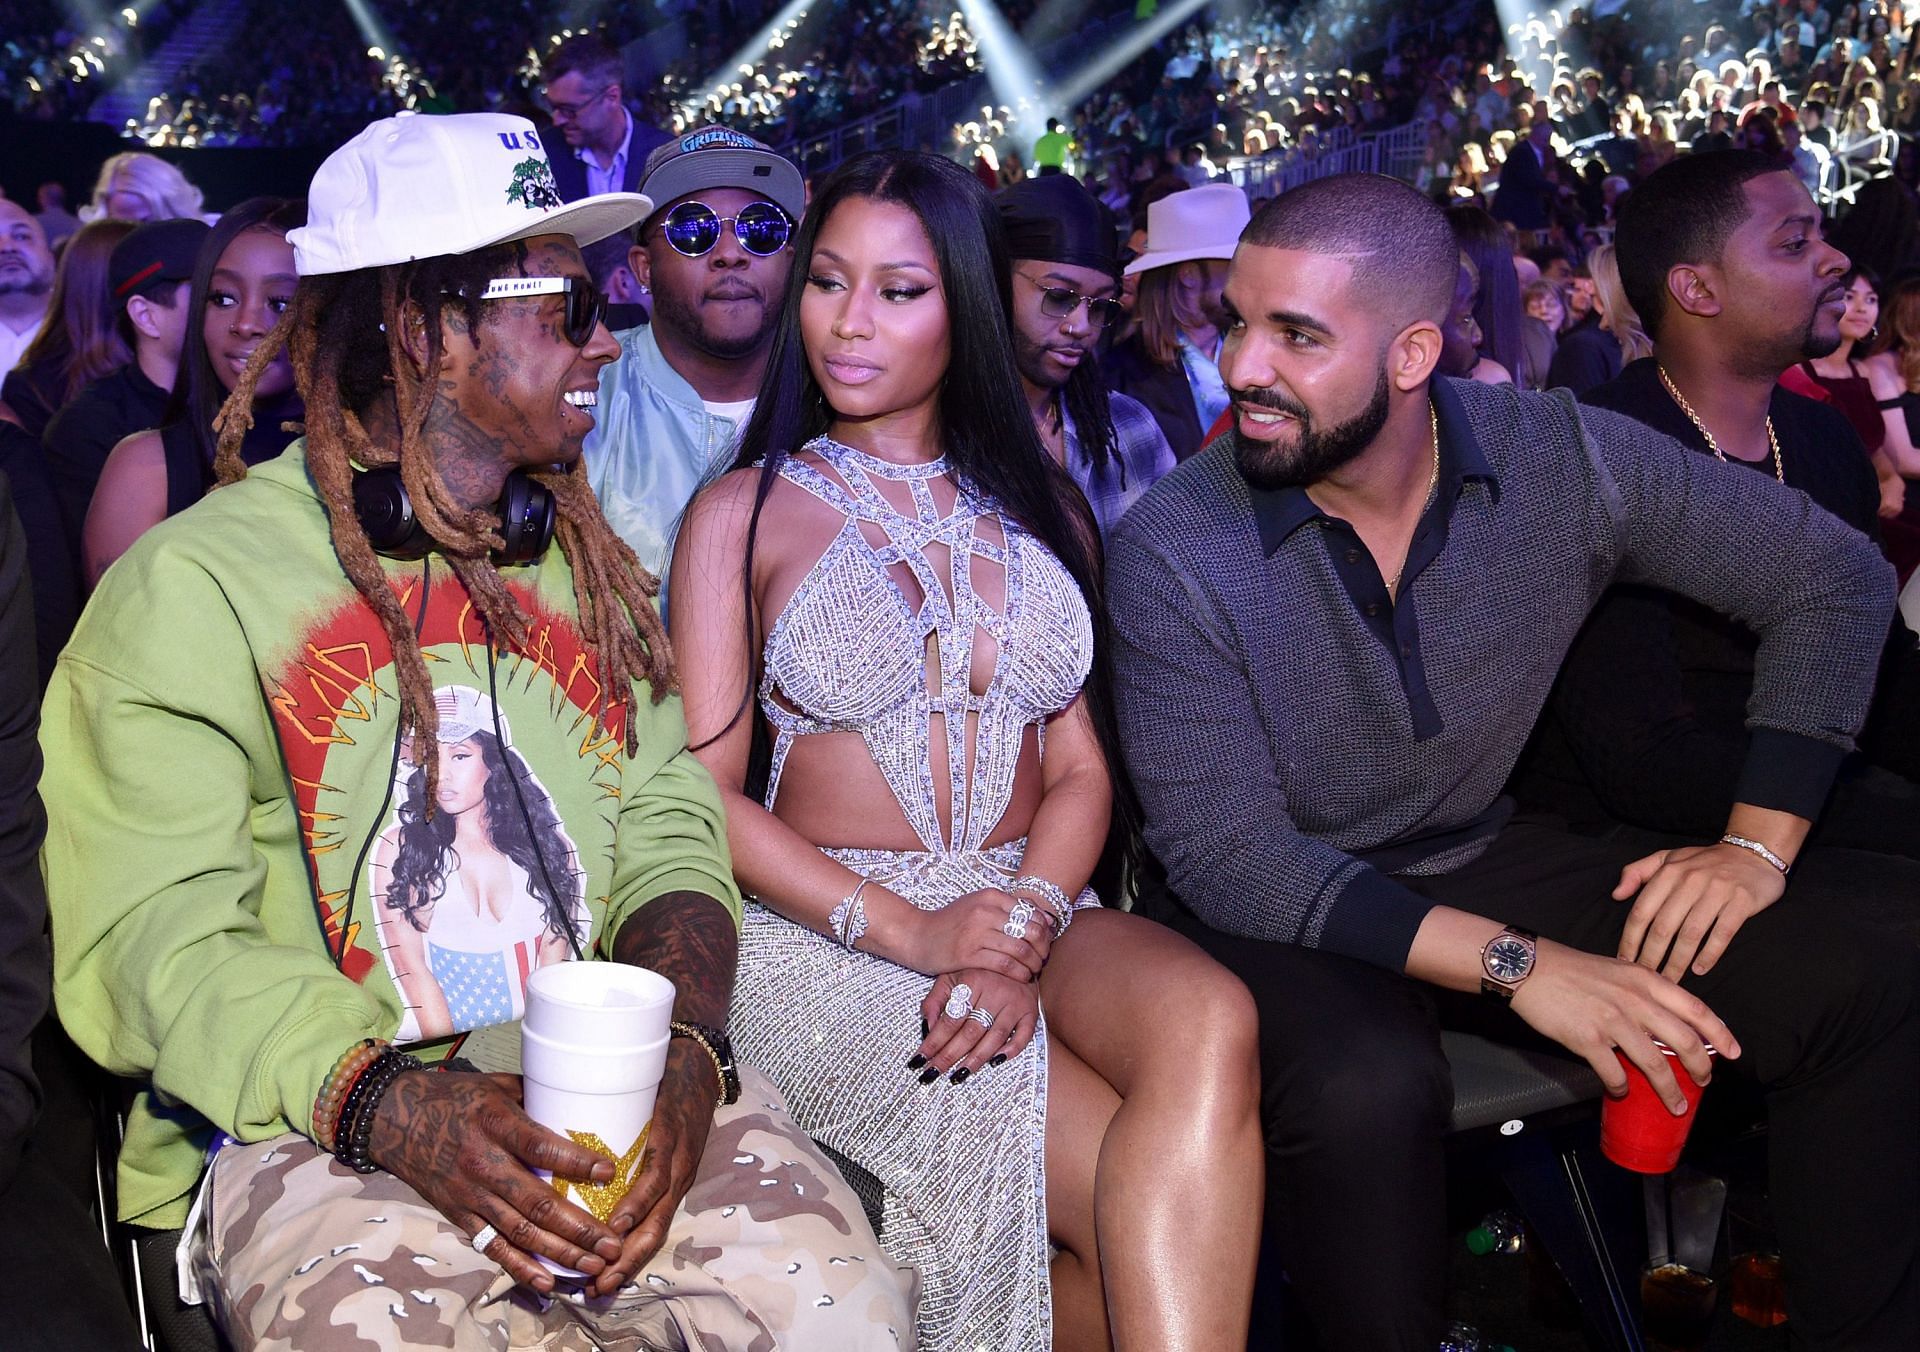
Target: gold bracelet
699 1039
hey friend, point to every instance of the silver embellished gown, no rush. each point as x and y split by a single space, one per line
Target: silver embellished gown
963 1165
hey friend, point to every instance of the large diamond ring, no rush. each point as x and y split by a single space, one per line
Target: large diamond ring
959 1000
981 1017
1017 918
486 1236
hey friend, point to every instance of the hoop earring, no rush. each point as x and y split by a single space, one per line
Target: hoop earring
1873 336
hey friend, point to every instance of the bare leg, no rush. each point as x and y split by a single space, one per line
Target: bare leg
1080 1106
1179 1180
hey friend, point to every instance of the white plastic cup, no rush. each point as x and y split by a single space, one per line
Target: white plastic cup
593 1047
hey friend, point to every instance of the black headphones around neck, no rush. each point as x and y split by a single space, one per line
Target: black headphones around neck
527 514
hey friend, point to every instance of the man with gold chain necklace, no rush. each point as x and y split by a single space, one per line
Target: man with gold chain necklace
1722 256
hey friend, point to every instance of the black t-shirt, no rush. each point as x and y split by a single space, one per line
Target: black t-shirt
81 436
190 474
33 392
1647 722
56 594
1587 356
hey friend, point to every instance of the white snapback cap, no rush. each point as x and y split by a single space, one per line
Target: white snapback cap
428 186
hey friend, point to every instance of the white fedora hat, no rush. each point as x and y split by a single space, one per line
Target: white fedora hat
423 186
1203 222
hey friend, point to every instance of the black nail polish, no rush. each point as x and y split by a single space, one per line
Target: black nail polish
998 1059
929 1075
916 1061
959 1076
923 1025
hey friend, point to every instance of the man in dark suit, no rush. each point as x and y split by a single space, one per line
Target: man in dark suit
1526 189
606 145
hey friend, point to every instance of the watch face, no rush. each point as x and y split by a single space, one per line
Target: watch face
1509 959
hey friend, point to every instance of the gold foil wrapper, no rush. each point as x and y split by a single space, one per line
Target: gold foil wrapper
599 1199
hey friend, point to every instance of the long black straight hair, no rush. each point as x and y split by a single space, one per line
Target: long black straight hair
198 391
986 427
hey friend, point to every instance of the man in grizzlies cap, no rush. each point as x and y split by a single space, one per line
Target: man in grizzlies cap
346 751
1066 289
715 258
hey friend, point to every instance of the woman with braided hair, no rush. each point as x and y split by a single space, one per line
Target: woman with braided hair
346 750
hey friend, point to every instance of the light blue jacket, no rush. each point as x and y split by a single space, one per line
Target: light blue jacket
652 443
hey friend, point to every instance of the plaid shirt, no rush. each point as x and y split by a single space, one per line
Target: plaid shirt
1142 456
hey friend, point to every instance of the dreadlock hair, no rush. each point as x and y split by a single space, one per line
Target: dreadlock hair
1086 400
986 429
344 335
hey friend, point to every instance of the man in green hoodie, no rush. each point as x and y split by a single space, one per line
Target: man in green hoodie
343 754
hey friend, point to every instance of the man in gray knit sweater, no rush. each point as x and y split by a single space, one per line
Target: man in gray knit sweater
1335 629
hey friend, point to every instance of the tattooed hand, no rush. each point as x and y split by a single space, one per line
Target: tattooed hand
682 1116
690 940
463 1142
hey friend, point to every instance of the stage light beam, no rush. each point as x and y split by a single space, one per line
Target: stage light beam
1120 54
771 37
1010 67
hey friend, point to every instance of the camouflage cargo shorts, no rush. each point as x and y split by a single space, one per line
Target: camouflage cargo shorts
769 1250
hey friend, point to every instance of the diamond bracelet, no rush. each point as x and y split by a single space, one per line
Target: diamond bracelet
849 918
1051 894
1755 847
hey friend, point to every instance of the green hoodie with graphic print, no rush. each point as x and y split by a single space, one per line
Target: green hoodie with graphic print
243 871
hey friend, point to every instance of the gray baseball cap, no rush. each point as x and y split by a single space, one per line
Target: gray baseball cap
719 157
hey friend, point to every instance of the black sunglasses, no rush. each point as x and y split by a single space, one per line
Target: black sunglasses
586 307
1061 301
693 228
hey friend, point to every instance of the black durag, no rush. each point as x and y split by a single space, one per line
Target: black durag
1051 218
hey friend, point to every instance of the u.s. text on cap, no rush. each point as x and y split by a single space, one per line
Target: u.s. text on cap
425 186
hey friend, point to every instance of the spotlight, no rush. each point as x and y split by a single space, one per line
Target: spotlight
1120 54
1010 66
781 26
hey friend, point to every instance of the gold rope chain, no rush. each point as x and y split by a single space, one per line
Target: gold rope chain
1433 483
1779 469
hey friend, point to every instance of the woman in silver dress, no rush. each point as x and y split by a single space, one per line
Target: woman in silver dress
909 585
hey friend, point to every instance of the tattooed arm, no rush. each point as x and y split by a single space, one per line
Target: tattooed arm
690 939
463 1142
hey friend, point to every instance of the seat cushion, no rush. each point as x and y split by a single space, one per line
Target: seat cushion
1497 1083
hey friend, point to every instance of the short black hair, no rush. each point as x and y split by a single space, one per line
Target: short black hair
1683 212
1403 252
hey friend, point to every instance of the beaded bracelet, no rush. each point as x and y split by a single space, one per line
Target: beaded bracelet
849 918
350 1104
1052 895
333 1092
355 1133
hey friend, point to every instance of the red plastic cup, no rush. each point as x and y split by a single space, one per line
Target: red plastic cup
1638 1131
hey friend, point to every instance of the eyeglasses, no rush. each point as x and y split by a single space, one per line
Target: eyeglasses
572 110
586 307
1061 301
693 228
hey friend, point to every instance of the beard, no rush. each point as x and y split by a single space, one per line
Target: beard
24 281
1318 452
1030 359
674 311
1813 344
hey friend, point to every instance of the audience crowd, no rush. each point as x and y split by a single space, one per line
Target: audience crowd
1701 219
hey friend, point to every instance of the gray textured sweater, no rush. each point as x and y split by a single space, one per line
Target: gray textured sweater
1283 766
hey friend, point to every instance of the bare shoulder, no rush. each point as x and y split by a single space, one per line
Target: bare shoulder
1883 373
137 453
